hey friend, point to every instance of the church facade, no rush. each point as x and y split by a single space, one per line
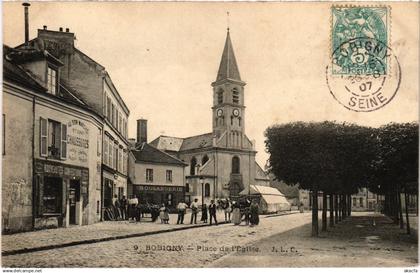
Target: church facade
221 163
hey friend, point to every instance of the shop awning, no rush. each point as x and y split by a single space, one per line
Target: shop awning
272 199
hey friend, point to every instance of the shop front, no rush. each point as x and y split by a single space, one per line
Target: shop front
113 184
61 194
157 195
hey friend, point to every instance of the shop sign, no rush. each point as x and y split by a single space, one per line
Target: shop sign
78 140
160 188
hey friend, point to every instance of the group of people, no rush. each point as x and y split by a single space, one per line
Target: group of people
131 209
233 212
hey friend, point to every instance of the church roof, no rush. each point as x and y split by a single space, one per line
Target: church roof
195 142
228 68
176 144
150 154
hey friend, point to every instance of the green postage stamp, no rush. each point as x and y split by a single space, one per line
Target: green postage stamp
359 40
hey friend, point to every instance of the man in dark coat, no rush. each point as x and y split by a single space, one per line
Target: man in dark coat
253 210
123 204
212 212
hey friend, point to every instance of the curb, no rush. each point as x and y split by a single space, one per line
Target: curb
92 241
112 238
278 215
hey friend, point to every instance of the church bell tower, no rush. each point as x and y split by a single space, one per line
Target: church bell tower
228 99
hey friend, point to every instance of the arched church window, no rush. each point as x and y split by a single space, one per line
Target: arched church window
204 160
193 165
207 190
220 96
240 121
231 120
235 165
235 95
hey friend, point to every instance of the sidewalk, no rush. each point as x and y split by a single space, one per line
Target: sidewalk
102 231
358 241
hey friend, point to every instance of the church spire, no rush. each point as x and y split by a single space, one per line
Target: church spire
228 68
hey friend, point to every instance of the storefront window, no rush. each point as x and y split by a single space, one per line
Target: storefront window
52 195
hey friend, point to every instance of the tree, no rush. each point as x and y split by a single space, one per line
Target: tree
395 169
303 153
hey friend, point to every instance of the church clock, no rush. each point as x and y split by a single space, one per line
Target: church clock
236 112
219 112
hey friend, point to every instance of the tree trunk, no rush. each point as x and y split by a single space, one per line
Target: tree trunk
324 211
331 210
396 215
400 216
340 205
335 208
349 204
343 207
315 213
406 213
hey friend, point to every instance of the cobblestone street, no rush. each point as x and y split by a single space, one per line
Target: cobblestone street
278 241
187 248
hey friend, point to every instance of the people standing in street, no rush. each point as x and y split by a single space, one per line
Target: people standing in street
227 207
164 214
133 202
212 212
194 211
117 205
236 214
181 212
123 206
301 207
204 215
246 211
253 210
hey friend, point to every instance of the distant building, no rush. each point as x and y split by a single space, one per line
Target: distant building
364 200
222 162
155 176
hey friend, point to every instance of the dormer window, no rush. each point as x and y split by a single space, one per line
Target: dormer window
52 80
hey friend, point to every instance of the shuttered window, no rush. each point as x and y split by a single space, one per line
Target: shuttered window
111 151
106 150
43 137
63 154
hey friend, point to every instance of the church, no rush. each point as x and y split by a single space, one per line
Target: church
221 163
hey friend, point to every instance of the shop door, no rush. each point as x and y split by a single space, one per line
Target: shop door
108 193
74 198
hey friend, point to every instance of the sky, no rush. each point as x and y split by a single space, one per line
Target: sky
162 57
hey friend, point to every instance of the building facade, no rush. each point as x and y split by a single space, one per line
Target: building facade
65 152
51 147
91 83
155 176
221 164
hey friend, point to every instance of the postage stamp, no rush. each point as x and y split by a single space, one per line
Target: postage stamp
360 76
359 23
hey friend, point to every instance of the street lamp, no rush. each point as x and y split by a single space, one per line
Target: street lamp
201 180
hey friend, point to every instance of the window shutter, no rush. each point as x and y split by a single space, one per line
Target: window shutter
43 137
106 150
63 153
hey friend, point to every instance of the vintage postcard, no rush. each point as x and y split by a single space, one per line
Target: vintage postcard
210 134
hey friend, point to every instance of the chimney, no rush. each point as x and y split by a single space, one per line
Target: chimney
61 29
67 29
45 27
141 131
26 5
